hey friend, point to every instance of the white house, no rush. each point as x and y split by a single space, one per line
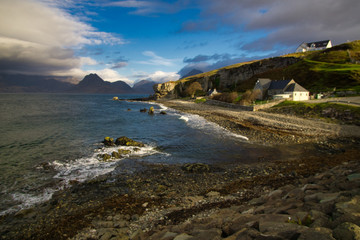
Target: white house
279 89
312 46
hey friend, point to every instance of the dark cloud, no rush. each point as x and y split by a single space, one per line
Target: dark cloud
208 63
119 65
192 44
204 58
283 24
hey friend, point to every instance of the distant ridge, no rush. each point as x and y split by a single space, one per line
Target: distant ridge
191 73
92 83
144 86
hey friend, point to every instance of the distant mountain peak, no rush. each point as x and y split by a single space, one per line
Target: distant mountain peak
91 79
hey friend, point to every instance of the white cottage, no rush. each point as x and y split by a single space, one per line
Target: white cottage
279 89
313 46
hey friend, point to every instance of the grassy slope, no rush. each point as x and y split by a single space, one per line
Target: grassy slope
331 112
318 70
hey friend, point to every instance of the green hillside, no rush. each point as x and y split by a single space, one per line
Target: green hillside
337 67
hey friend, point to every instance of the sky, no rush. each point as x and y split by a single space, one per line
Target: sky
158 40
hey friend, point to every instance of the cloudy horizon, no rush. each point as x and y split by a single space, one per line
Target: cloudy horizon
132 40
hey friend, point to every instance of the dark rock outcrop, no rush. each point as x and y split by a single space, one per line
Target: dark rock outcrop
125 141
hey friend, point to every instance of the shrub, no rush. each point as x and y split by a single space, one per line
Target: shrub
226 97
193 88
249 96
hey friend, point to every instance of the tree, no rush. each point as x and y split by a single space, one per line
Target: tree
191 90
249 96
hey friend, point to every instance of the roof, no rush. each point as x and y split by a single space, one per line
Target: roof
279 84
319 44
294 87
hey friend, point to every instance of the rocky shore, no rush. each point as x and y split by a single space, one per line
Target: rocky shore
312 196
267 128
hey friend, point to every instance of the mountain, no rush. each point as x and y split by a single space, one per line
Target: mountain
92 83
144 86
192 73
336 67
11 83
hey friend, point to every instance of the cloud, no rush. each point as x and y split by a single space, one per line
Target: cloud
157 60
161 77
150 7
157 76
203 58
207 63
281 23
119 65
39 38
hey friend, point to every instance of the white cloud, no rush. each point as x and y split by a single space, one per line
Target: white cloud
39 38
150 7
87 61
161 77
157 60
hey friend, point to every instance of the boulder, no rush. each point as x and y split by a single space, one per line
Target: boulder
125 141
108 141
115 155
124 151
151 110
143 110
104 157
196 167
347 231
163 113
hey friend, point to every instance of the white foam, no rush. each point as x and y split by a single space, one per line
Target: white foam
186 119
29 200
86 168
79 170
162 107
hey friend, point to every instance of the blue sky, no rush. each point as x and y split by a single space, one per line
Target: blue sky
133 40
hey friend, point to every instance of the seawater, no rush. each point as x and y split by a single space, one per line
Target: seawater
49 140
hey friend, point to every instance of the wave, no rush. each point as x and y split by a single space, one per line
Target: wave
86 168
198 122
78 170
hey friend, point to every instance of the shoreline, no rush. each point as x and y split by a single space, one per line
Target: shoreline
267 128
162 198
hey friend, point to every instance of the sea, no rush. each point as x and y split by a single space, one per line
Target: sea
49 140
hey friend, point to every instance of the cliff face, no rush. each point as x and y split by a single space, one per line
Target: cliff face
222 78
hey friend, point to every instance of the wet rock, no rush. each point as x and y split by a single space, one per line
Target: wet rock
151 110
209 234
108 141
347 231
213 194
115 155
104 157
168 236
196 167
316 234
125 141
354 177
184 236
163 113
124 151
143 110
